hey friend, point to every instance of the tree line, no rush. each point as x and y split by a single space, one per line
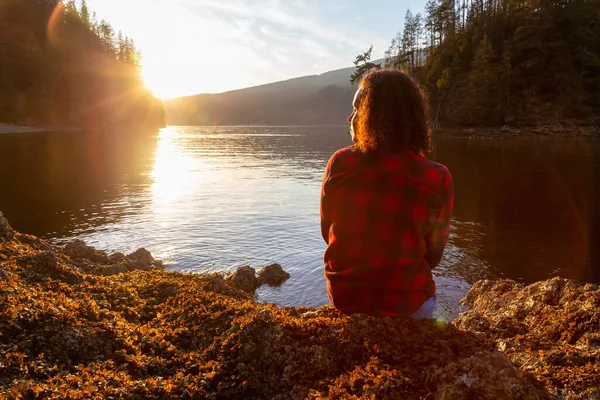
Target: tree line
60 66
493 62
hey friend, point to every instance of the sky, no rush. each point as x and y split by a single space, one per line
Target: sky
212 46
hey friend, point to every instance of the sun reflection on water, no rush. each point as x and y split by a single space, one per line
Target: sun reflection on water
171 173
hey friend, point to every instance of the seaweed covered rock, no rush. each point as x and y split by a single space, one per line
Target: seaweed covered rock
272 275
77 249
6 232
550 329
158 334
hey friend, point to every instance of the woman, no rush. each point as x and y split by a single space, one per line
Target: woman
385 208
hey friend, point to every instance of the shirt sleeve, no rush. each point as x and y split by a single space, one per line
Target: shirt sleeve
437 237
326 202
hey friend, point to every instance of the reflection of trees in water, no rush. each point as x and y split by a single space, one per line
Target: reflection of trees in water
533 197
52 181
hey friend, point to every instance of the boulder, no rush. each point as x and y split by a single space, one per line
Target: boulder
140 259
77 249
245 279
272 275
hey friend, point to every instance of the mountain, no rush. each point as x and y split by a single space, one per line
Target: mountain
310 100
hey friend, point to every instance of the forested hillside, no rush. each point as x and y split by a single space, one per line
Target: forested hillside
60 66
493 62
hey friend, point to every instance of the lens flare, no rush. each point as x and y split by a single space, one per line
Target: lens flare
54 23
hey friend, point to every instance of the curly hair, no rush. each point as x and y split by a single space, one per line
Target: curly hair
392 114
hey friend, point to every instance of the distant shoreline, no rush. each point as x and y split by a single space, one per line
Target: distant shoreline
19 129
16 128
558 131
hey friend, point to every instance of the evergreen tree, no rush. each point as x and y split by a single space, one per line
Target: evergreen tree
85 14
363 65
504 61
68 72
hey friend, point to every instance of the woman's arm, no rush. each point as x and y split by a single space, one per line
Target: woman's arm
437 237
325 202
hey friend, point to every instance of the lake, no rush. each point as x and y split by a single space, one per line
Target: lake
215 198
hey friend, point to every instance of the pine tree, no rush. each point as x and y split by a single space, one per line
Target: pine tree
363 65
482 93
84 13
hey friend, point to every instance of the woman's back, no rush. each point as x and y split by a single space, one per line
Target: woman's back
382 215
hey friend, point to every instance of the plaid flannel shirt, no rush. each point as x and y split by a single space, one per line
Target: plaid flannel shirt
386 219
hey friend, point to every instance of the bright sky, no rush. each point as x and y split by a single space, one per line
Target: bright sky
211 46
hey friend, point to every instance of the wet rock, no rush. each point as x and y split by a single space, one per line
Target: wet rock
6 232
245 279
272 275
34 242
117 257
140 259
77 249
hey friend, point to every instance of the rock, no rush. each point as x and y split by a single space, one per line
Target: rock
45 261
77 249
550 329
47 264
272 275
34 242
114 269
485 375
6 232
140 259
505 128
245 279
117 257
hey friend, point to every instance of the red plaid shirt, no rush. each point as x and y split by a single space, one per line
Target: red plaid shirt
385 218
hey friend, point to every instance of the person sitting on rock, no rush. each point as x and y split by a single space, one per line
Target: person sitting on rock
385 208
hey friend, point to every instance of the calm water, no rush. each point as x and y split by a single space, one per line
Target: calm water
212 199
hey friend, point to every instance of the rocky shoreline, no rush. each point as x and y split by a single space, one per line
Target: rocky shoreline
560 131
76 322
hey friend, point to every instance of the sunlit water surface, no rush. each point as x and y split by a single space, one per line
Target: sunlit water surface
212 199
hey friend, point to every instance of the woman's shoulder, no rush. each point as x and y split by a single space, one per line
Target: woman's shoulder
437 172
345 152
347 157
